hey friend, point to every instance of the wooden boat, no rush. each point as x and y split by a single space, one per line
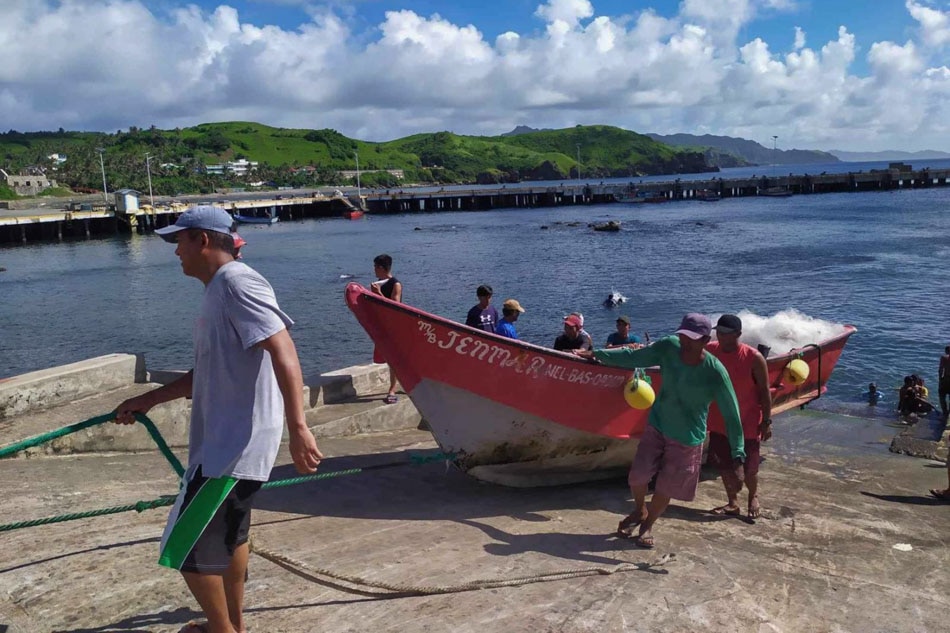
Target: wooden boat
640 197
523 415
708 195
352 214
253 219
776 192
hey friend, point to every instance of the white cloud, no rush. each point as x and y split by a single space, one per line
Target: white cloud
799 38
570 12
106 64
934 24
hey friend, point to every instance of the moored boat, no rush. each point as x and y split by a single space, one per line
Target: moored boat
523 415
253 219
352 214
708 195
776 192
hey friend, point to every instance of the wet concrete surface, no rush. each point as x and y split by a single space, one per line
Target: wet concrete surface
822 558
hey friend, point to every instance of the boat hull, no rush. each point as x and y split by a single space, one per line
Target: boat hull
247 219
519 414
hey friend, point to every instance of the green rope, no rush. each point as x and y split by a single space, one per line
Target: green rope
22 445
141 506
43 438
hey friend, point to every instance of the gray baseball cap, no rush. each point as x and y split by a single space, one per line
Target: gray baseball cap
205 217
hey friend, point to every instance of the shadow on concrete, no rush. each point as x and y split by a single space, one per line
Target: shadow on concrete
100 548
916 500
143 623
392 487
580 547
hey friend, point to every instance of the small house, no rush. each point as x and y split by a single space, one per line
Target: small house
126 201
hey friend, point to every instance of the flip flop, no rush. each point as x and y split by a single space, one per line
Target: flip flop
391 399
194 627
646 542
943 495
725 511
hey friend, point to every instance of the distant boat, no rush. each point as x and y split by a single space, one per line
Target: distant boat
635 196
776 192
352 214
707 195
256 219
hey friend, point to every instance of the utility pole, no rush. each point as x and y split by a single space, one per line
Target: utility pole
775 149
105 189
578 160
359 193
148 169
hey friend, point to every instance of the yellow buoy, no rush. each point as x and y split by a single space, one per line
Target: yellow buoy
796 372
638 393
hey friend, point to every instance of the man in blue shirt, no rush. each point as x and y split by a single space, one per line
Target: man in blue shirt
622 337
510 310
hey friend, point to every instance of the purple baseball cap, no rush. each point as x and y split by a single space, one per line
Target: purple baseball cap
695 326
206 217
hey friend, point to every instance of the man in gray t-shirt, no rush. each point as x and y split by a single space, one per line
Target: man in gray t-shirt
246 378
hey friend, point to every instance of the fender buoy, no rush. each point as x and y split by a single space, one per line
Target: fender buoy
639 393
796 372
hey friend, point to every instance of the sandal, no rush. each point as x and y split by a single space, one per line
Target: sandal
391 399
726 511
943 495
646 542
194 627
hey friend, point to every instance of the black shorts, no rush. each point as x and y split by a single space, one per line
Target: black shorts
210 519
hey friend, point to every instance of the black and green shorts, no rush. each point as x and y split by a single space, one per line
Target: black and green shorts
210 519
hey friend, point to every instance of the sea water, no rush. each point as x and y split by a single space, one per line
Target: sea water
874 260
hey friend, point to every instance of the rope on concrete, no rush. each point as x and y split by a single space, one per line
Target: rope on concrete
334 579
43 438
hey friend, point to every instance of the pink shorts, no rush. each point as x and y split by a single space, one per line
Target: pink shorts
676 465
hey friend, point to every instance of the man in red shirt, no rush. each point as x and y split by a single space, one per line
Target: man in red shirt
750 380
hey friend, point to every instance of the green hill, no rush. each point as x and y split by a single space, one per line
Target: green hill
179 156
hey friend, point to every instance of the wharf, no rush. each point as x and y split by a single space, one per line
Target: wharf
822 558
27 225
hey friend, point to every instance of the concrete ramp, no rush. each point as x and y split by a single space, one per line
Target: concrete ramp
48 388
339 403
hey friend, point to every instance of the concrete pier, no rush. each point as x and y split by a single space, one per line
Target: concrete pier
48 225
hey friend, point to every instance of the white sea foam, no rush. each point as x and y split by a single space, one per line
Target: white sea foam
785 330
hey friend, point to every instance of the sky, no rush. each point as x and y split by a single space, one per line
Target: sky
860 75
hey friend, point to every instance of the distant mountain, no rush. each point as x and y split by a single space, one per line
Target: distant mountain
889 155
748 152
524 129
304 157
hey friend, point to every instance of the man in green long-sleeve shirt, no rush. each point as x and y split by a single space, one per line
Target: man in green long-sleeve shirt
671 447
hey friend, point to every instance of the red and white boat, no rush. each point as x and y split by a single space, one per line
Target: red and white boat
523 415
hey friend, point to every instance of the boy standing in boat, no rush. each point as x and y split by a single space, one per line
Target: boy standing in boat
483 315
389 287
246 378
671 447
749 374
